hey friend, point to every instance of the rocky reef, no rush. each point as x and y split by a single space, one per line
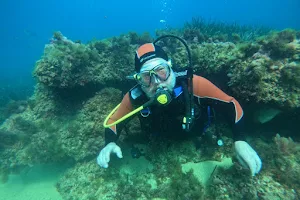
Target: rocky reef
79 84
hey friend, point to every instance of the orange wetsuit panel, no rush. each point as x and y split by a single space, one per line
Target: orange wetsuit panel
125 108
203 88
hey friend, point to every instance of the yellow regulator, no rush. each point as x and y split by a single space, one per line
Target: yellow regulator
163 97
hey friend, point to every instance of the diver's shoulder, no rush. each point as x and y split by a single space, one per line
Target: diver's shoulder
198 76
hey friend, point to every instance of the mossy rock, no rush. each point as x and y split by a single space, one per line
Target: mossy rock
277 44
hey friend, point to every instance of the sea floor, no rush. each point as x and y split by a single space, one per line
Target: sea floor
35 183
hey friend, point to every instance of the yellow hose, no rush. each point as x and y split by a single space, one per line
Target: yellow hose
122 118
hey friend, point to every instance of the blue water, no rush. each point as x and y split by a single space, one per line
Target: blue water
26 26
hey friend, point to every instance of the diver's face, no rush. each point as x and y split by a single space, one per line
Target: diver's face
155 81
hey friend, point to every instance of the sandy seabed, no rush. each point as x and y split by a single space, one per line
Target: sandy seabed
35 183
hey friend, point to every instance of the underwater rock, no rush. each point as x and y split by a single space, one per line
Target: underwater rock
266 114
66 64
204 170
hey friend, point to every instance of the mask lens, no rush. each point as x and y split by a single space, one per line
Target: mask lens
162 72
145 78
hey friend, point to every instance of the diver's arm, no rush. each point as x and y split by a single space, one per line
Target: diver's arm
203 88
246 155
112 133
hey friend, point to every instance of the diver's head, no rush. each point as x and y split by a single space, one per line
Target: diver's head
153 69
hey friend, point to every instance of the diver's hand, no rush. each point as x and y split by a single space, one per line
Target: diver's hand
104 155
248 157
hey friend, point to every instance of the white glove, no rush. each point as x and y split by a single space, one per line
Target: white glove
248 157
104 155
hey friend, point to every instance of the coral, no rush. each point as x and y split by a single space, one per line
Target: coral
236 38
166 179
124 182
85 130
58 36
102 46
7 139
66 64
282 164
286 146
44 102
263 70
27 142
226 186
193 35
291 73
277 44
212 58
182 186
249 48
24 125
12 107
140 39
28 138
82 182
236 183
15 107
220 30
261 77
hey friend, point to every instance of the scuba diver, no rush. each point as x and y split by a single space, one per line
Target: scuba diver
174 104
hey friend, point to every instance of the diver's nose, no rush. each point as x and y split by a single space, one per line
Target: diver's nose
156 80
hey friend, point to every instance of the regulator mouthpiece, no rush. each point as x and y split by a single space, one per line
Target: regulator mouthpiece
162 97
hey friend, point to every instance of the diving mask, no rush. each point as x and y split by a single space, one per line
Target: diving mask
157 70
